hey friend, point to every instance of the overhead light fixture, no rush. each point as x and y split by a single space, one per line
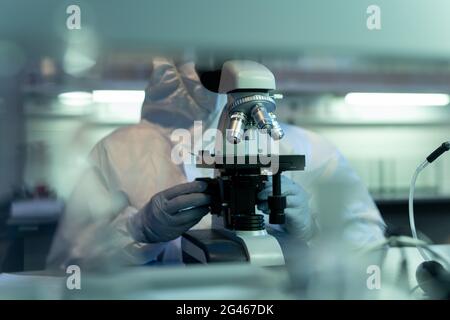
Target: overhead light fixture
117 113
118 96
396 99
75 98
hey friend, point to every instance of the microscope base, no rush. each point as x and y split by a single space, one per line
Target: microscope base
220 245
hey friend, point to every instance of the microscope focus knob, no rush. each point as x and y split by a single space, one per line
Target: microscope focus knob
277 204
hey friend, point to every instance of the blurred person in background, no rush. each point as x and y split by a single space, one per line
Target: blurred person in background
133 202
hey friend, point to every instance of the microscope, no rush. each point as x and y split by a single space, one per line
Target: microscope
241 174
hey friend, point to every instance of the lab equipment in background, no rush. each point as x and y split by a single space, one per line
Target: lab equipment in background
39 203
239 178
432 276
28 228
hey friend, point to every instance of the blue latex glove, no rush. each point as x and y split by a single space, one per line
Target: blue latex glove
298 217
172 212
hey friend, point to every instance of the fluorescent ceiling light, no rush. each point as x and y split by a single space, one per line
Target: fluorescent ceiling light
117 113
75 98
118 96
396 99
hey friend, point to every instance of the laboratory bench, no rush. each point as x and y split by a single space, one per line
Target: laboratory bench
229 281
432 216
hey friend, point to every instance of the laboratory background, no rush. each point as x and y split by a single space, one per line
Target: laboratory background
380 94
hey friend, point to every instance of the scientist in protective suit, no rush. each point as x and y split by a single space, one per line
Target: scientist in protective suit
133 202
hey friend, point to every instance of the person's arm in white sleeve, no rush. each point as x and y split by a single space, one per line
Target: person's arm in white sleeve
94 229
340 203
328 199
343 203
104 226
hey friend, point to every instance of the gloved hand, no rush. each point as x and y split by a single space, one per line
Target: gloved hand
174 211
299 221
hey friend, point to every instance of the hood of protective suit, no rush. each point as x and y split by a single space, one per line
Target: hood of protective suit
175 97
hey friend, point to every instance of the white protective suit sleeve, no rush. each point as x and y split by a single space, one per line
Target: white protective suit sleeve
340 203
126 169
89 235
